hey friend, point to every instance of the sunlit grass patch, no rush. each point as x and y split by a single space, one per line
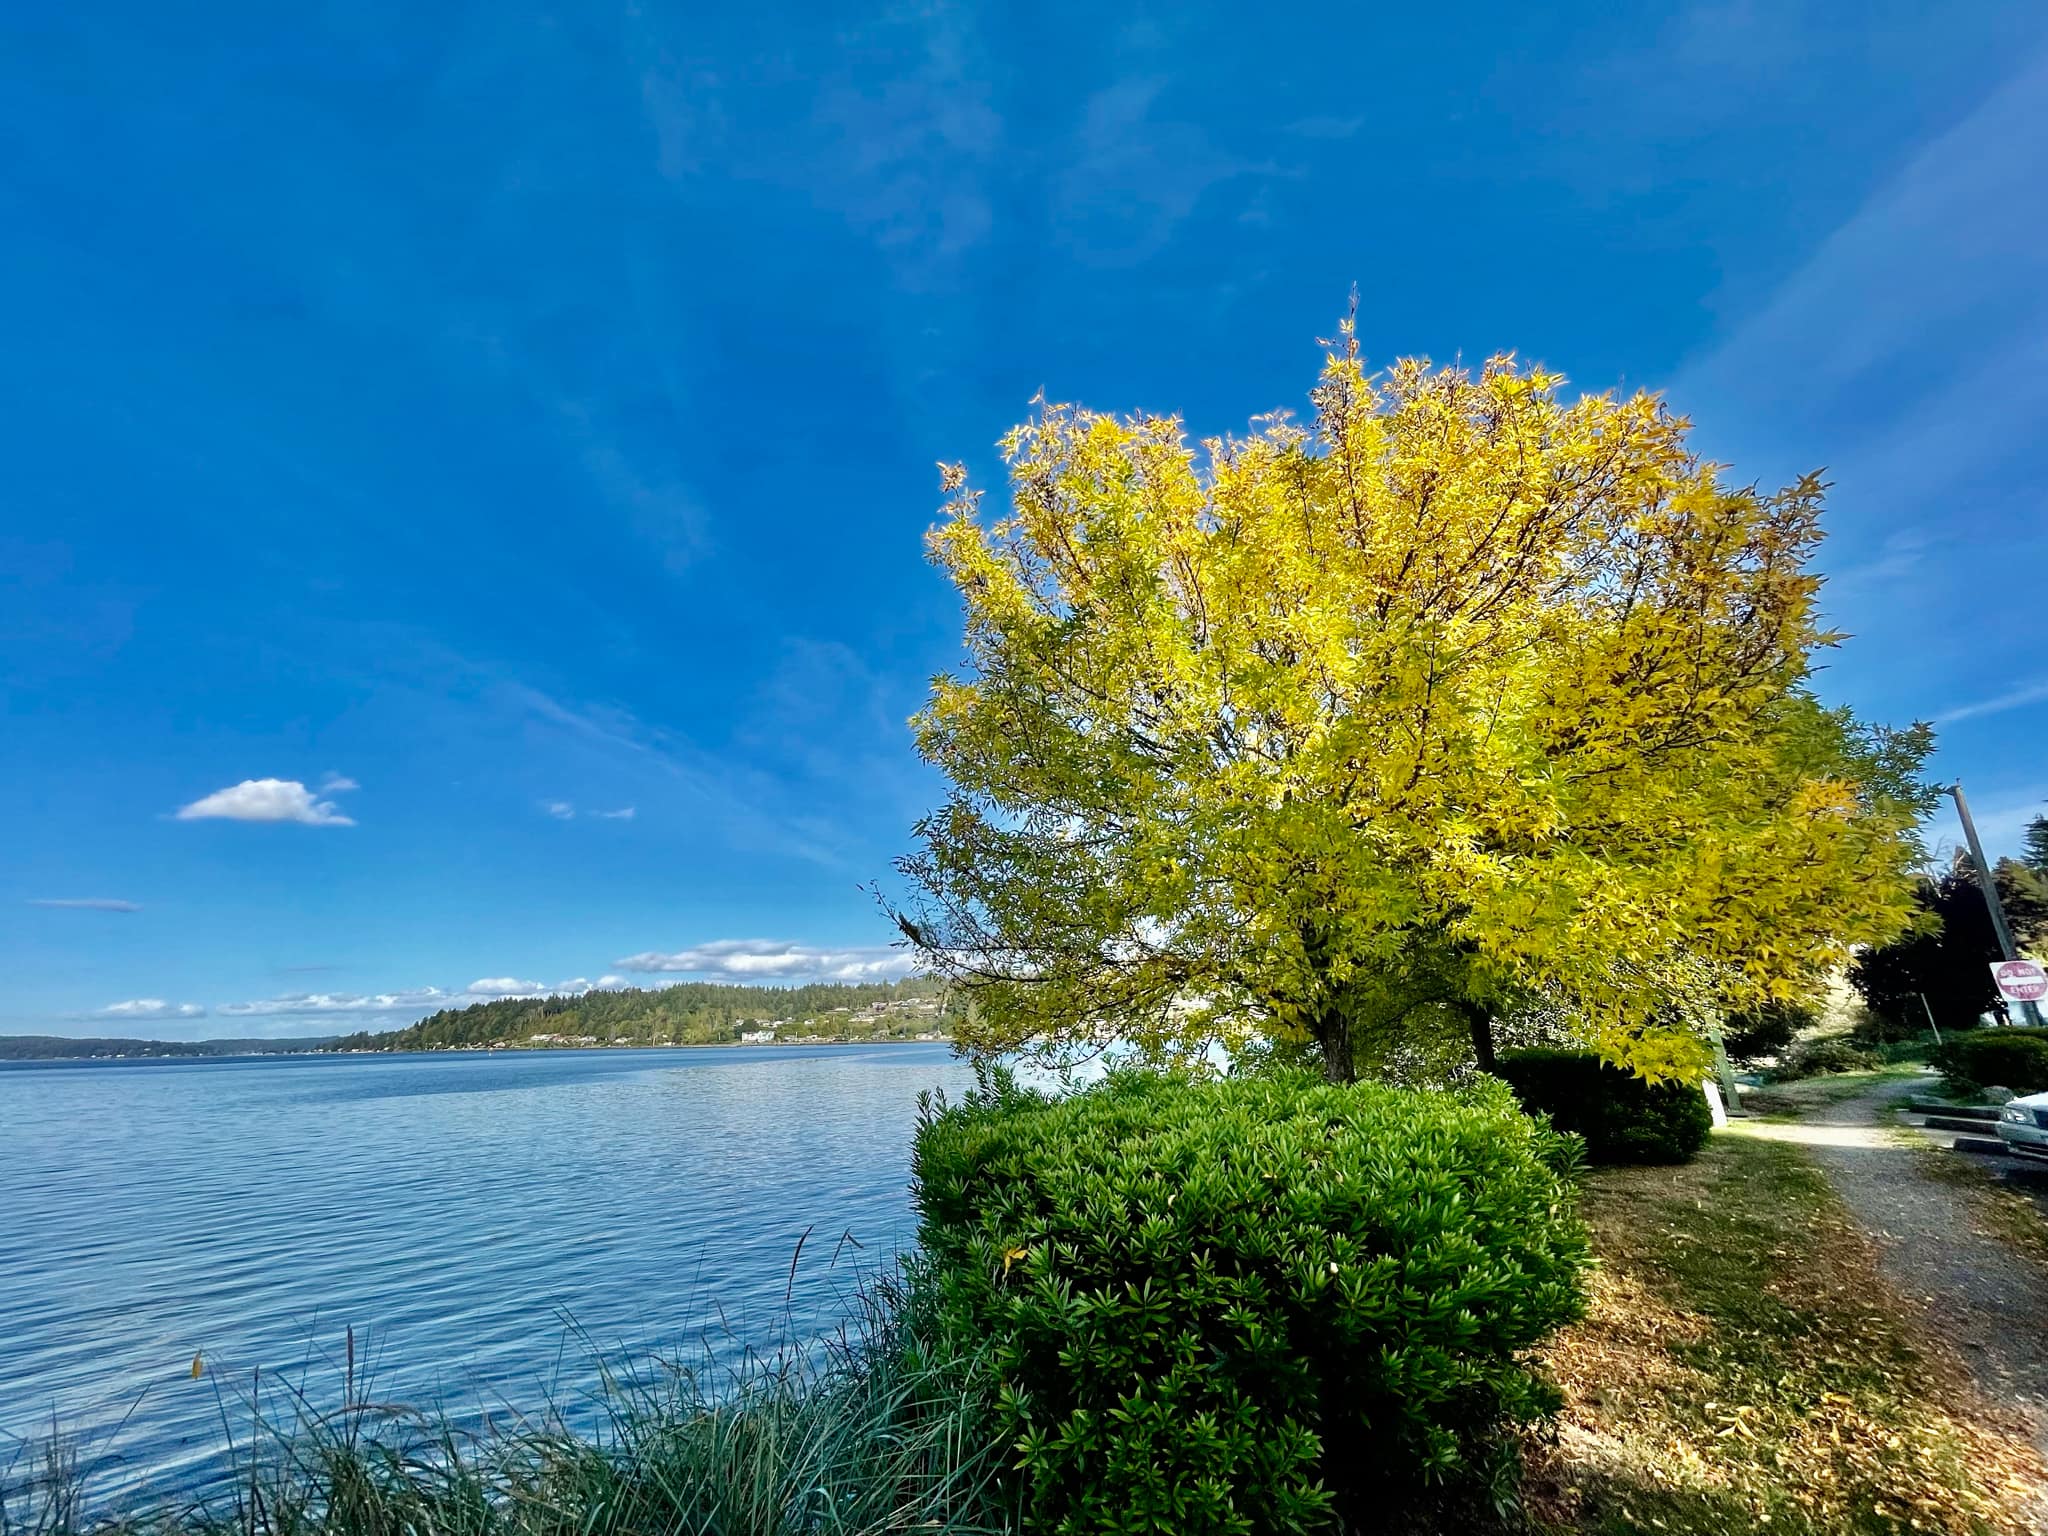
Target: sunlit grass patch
1796 1099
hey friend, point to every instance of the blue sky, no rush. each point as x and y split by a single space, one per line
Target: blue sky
487 421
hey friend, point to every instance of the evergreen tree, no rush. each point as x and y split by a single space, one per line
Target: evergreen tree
2036 855
1947 954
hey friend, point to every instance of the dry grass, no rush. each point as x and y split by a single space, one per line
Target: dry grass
1743 1368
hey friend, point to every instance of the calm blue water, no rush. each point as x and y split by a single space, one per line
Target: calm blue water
454 1209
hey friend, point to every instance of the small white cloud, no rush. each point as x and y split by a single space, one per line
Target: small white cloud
772 960
623 813
85 903
561 810
266 800
150 1008
337 783
576 986
506 986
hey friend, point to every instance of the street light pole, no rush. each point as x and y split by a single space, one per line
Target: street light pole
1989 884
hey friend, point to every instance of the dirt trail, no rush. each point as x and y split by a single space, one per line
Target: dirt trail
1987 1298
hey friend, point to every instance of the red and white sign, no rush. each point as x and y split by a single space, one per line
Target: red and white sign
2020 981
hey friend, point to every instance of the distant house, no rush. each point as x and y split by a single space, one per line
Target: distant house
757 1037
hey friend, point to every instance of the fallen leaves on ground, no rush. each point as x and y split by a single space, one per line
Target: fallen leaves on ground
1743 1367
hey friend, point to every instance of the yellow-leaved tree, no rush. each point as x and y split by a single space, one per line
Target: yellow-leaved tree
1466 697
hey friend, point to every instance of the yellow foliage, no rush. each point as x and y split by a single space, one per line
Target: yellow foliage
1465 694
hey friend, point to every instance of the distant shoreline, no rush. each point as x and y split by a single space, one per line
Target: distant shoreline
194 1051
615 1045
687 1014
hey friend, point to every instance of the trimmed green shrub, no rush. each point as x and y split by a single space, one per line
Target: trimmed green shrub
1815 1058
1622 1118
2008 1058
1765 1031
1249 1306
1874 1030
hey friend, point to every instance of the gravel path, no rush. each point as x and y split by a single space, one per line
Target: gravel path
1990 1301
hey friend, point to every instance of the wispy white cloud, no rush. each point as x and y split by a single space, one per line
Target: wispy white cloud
1939 250
654 502
1133 175
337 783
910 158
682 103
1906 354
565 810
86 903
773 960
337 1004
266 800
137 1008
1900 558
749 805
2035 692
749 801
410 1003
1325 126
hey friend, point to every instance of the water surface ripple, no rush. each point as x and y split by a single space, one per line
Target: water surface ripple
454 1209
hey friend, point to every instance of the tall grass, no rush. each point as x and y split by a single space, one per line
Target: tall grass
861 1434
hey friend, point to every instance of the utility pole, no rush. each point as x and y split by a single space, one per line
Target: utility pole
1989 884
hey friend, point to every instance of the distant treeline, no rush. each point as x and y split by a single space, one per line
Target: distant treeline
694 1013
63 1048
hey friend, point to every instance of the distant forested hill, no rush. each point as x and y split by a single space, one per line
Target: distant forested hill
694 1013
61 1048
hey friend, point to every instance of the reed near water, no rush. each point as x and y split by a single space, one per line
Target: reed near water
861 1433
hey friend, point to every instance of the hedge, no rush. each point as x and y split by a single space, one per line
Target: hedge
1247 1306
2001 1057
1622 1118
1817 1058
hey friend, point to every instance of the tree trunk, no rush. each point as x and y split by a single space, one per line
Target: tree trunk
1481 1025
1333 1034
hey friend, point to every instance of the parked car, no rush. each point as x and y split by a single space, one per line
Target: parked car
2023 1126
